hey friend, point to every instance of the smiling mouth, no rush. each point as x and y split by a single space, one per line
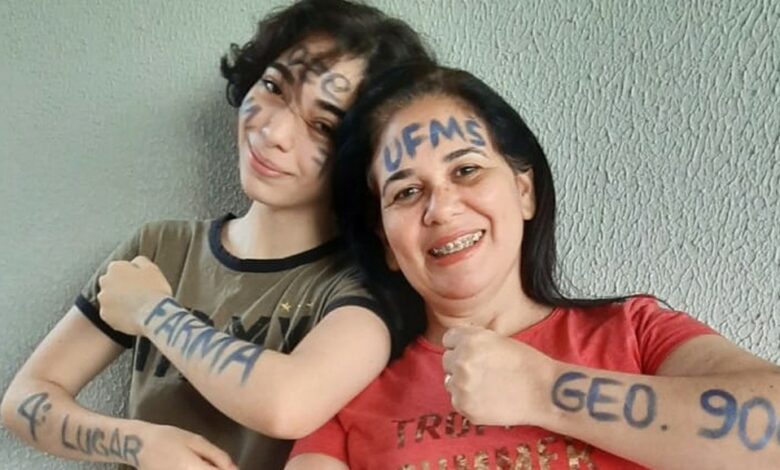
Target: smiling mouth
261 163
459 244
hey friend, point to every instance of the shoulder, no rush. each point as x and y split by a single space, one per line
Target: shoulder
633 335
634 310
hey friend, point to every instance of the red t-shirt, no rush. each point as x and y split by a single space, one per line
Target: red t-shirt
404 419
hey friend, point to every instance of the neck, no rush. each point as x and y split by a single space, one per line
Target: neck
270 233
506 310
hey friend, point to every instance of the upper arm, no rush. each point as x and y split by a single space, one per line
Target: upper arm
709 355
332 364
315 462
71 355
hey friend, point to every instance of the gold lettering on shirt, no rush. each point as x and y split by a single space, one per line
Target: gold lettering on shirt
578 457
450 428
523 461
575 456
544 457
503 459
400 430
427 423
481 461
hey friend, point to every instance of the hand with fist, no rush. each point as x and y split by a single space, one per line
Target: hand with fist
493 379
129 291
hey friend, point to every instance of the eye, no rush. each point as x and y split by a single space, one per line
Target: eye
323 128
406 194
270 86
466 170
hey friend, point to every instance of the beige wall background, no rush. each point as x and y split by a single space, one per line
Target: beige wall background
661 121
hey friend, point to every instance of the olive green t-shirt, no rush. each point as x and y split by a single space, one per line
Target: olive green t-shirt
272 303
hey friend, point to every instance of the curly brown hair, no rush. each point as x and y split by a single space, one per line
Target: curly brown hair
357 29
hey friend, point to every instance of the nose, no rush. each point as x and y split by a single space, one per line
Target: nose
444 203
279 130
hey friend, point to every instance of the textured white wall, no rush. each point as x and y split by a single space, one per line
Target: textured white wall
661 121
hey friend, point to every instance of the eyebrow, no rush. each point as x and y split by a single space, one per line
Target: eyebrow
286 73
454 155
332 108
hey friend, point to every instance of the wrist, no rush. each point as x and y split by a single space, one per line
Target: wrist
547 415
155 309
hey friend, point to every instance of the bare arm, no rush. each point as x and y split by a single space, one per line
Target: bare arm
282 395
39 407
287 396
716 406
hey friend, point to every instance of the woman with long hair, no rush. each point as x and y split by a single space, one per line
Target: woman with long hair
448 200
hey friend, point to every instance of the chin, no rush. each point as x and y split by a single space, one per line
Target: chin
461 289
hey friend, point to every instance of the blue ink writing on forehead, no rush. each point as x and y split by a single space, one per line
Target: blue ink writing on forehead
392 164
335 83
471 127
436 131
410 141
309 65
448 132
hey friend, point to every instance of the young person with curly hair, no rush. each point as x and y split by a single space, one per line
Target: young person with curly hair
245 331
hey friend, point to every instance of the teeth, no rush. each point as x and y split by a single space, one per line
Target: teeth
457 245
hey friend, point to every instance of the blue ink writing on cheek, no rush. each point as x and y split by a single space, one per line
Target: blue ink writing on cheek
728 411
249 109
436 128
595 396
578 396
628 407
410 141
476 137
771 424
392 164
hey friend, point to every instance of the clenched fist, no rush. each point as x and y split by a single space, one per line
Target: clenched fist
129 291
495 380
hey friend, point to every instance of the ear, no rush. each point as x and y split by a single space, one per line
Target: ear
392 264
525 190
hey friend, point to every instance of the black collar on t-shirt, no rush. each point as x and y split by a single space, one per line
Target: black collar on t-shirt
265 265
